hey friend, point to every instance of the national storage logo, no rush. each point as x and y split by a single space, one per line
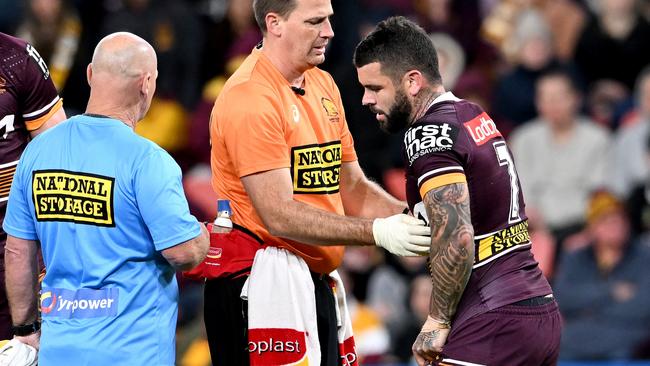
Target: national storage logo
83 198
316 168
78 304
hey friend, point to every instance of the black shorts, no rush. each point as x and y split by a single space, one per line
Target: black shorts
226 321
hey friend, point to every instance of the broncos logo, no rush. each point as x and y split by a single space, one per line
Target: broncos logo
330 109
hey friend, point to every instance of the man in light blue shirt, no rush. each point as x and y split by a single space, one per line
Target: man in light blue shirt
108 209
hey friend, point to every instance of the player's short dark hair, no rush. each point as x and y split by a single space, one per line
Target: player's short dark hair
399 45
263 7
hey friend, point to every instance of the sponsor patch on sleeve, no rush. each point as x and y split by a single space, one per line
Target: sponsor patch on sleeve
61 195
482 129
429 138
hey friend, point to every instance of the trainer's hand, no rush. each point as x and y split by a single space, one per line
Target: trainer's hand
402 235
428 345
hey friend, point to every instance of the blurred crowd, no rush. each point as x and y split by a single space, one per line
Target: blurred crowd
567 81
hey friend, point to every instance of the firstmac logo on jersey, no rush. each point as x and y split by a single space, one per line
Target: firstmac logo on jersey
482 129
429 138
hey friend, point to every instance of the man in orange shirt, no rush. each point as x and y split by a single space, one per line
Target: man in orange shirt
283 155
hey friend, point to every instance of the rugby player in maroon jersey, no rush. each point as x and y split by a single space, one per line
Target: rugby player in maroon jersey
29 104
490 303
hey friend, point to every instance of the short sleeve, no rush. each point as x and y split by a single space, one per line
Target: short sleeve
253 129
162 203
19 220
36 90
435 154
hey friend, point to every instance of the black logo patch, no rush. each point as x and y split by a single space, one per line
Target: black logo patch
429 138
316 168
61 195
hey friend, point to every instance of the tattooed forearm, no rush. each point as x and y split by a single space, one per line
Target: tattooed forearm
452 247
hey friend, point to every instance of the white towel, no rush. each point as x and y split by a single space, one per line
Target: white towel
282 327
347 348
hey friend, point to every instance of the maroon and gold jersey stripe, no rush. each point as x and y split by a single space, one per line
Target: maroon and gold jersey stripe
440 181
36 123
7 172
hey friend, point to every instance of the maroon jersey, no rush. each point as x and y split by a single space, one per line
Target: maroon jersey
456 141
28 98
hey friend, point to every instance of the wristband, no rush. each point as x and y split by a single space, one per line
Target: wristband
26 329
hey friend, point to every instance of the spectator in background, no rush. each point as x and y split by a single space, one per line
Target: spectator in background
530 49
232 34
605 99
173 30
451 59
418 297
388 286
459 19
53 27
560 156
371 338
196 180
628 161
615 43
604 289
566 19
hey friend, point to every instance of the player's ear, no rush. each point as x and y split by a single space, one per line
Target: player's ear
413 82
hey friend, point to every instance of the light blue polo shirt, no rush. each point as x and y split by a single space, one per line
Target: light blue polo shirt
103 202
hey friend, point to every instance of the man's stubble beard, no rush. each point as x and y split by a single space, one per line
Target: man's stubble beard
399 115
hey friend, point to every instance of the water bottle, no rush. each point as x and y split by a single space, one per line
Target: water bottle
222 223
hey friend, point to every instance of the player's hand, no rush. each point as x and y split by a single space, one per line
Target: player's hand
428 345
402 235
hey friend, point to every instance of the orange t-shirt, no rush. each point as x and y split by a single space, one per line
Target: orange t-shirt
258 124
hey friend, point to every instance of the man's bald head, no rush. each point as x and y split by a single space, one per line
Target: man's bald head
124 54
122 76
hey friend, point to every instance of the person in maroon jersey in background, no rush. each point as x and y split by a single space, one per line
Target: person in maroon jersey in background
29 104
490 302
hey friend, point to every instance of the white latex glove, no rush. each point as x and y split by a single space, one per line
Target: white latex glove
16 353
402 235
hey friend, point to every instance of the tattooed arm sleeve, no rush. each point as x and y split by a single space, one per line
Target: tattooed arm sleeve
452 247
